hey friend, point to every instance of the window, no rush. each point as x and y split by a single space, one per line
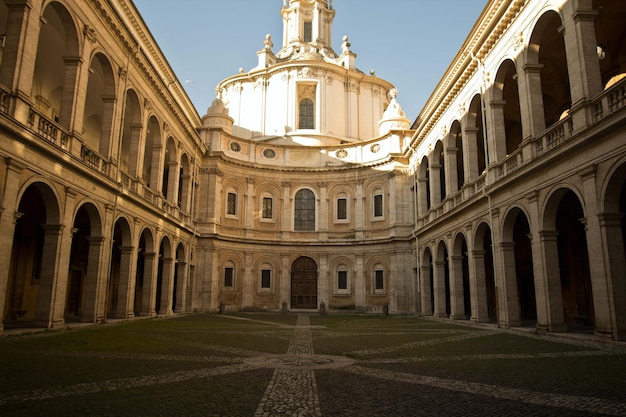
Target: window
228 277
378 205
231 204
307 115
342 280
304 214
267 212
342 209
379 282
308 31
266 276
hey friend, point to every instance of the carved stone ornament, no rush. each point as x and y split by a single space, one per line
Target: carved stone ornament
235 147
269 153
375 148
307 72
341 153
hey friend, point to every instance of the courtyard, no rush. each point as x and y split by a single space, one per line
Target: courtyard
259 364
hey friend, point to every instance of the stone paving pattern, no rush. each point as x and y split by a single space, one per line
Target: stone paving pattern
384 374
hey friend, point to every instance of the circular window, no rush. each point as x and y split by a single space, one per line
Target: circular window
375 148
341 153
235 147
269 153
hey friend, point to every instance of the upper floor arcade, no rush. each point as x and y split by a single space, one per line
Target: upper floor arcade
547 74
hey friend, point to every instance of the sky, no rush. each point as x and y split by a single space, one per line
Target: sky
409 43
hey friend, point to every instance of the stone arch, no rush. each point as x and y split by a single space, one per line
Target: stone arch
455 170
519 276
82 300
475 151
506 110
164 278
304 283
427 284
170 173
546 52
460 278
121 289
484 289
32 270
442 281
152 154
145 273
131 135
56 64
99 106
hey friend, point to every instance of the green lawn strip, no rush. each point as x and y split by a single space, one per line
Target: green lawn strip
224 395
379 323
587 376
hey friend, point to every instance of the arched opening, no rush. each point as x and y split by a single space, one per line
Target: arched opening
486 301
307 114
164 280
85 262
457 139
427 287
460 268
439 176
99 105
170 171
152 154
304 283
524 270
131 135
547 48
33 258
304 211
120 282
442 276
573 260
143 276
425 181
476 137
178 292
56 65
507 114
184 184
611 38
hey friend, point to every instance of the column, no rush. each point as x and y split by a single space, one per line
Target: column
457 305
96 281
548 289
509 314
248 282
531 101
126 291
49 279
470 154
181 287
167 287
360 284
440 289
611 229
480 313
426 290
148 295
322 283
452 184
70 91
249 206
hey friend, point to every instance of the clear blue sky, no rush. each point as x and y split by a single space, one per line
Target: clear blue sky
409 43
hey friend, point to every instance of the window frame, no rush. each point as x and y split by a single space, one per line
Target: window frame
229 277
263 208
376 215
298 224
340 270
235 203
346 209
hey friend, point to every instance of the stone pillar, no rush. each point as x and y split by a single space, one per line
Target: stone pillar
148 295
422 199
95 283
17 24
435 181
426 290
548 289
8 219
126 285
172 182
249 206
452 183
457 305
247 299
359 210
285 281
135 163
167 287
286 217
322 282
440 289
48 301
603 299
470 154
497 132
186 190
480 313
323 212
71 89
156 168
181 287
106 142
531 101
360 285
509 309
612 242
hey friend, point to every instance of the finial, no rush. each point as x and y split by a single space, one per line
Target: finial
393 93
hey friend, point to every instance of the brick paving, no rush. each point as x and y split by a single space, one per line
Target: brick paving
382 379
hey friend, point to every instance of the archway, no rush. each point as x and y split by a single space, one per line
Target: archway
304 283
32 271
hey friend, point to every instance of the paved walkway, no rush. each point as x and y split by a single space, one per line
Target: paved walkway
293 390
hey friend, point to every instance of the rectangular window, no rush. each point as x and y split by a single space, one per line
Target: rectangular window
231 204
342 280
228 277
266 275
342 209
379 283
267 207
378 205
308 31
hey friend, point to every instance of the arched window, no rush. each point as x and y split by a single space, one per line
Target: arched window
307 116
304 215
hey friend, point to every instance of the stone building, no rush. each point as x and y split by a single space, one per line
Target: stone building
305 186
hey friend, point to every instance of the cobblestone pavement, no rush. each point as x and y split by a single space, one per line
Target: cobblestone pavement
379 379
